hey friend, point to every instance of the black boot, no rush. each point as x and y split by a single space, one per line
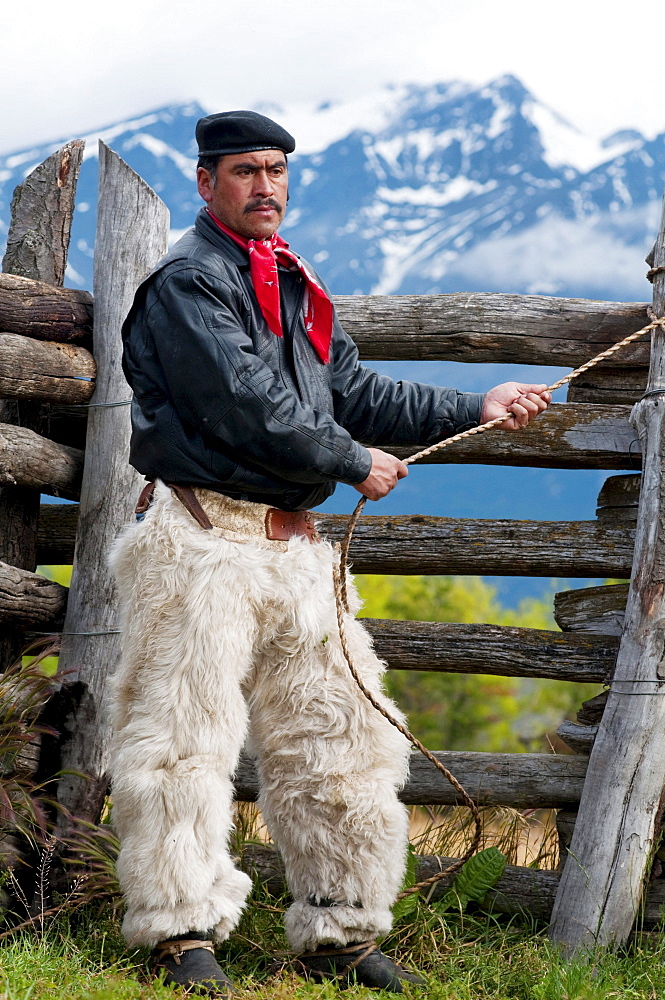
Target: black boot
358 962
190 961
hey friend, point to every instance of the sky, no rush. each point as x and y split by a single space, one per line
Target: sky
66 69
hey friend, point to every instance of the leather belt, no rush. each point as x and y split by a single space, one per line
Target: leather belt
280 525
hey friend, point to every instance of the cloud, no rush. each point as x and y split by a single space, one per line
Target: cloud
560 256
71 69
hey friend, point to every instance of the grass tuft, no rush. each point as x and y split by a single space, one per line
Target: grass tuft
462 956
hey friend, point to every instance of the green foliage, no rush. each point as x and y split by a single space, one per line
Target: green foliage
61 574
472 883
475 879
471 711
23 692
447 599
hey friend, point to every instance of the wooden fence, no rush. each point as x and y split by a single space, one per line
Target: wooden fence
65 430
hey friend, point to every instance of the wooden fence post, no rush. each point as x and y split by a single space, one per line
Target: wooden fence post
37 244
602 885
132 233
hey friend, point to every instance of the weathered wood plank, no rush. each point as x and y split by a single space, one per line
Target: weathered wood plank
563 437
520 891
621 808
492 649
509 328
620 491
591 711
438 545
598 610
609 385
46 370
132 233
526 329
522 780
36 309
566 436
579 738
27 599
29 460
42 210
37 242
618 499
620 517
422 544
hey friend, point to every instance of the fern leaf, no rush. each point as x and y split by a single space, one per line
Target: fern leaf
475 879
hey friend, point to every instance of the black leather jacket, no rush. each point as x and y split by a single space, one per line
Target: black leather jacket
221 402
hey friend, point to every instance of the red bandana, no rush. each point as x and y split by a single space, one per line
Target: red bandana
264 256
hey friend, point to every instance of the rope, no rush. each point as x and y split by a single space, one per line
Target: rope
340 570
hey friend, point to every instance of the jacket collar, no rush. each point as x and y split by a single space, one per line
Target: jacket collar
206 228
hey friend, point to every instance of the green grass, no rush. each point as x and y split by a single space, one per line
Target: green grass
463 957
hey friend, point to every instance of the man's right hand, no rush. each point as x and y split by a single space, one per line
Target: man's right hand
385 472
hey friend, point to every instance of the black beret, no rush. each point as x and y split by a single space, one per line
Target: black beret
240 132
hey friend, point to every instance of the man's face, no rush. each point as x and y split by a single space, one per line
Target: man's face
248 193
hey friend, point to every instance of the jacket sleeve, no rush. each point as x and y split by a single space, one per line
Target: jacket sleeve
377 410
222 388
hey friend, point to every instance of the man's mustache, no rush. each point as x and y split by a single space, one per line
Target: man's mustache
263 203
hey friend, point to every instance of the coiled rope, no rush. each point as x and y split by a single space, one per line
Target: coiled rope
340 568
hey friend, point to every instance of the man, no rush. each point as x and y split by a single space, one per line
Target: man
250 402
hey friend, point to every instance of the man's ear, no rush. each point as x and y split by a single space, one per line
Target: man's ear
204 183
287 196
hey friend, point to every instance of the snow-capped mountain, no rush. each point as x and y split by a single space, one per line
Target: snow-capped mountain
422 189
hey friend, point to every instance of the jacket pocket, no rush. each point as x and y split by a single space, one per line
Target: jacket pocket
225 469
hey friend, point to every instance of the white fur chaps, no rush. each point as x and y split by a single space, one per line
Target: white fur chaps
222 638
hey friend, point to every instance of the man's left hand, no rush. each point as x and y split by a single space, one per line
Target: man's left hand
522 400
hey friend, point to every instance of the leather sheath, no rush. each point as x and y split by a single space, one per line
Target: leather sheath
283 524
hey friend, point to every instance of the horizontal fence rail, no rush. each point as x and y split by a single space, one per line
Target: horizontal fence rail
419 544
521 780
471 327
565 436
487 326
578 737
520 891
29 600
592 609
609 385
47 312
45 370
507 651
502 650
29 459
